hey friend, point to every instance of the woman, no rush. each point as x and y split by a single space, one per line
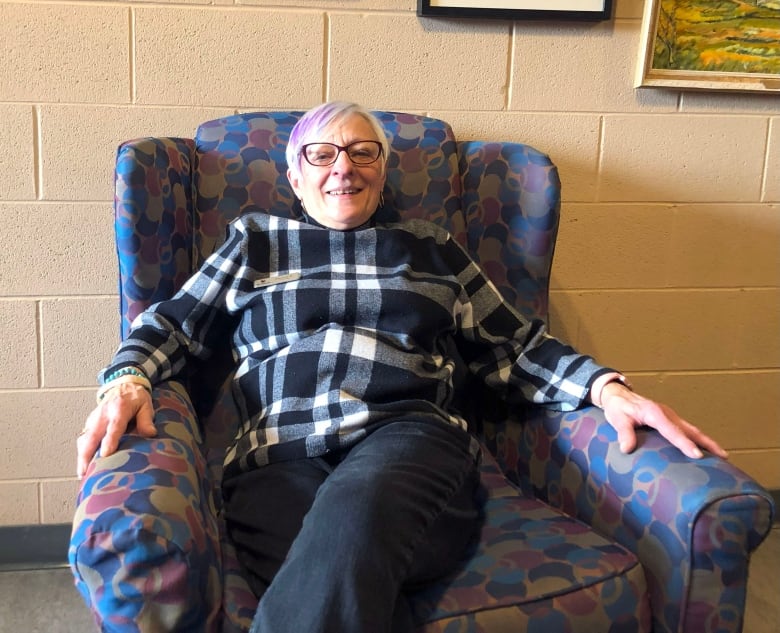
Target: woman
352 477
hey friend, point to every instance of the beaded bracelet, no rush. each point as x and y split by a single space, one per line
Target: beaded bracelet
122 376
124 371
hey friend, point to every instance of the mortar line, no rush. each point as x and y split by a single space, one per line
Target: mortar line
326 58
37 153
762 190
510 65
131 55
39 341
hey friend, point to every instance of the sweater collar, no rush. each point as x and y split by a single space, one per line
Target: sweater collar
300 212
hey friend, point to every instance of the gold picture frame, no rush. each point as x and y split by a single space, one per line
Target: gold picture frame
705 45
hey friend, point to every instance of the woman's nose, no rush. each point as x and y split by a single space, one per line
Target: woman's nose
343 163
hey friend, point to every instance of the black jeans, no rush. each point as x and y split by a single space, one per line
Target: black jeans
330 545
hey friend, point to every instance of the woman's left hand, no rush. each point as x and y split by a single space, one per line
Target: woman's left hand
626 410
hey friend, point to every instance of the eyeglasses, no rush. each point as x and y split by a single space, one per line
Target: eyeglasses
325 154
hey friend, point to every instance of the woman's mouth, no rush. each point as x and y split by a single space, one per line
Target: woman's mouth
343 192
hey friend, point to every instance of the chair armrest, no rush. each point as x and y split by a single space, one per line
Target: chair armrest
144 548
153 213
692 523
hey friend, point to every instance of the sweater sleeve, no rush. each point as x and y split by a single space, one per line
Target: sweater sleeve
190 324
516 357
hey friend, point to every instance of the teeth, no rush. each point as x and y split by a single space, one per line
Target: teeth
342 192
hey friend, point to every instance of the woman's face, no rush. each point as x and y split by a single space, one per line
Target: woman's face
342 195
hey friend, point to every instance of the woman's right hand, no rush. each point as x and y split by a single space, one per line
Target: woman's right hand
109 420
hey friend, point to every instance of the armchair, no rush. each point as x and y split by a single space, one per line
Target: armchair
577 537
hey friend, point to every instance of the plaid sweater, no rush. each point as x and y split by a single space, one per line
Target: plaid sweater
334 333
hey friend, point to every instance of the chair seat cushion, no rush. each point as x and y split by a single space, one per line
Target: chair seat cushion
536 569
532 569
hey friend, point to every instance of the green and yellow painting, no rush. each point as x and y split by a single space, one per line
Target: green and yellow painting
733 36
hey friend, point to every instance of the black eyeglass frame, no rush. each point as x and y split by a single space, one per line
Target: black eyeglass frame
342 148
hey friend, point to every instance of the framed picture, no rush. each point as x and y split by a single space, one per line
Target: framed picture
706 45
518 9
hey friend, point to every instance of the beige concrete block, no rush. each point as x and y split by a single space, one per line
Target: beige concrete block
571 141
657 246
762 465
563 322
17 160
652 330
58 500
772 174
229 57
18 344
39 430
446 64
59 249
612 246
580 68
78 148
738 409
758 329
19 503
724 245
64 52
79 337
686 158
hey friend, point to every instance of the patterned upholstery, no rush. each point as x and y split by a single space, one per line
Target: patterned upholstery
577 537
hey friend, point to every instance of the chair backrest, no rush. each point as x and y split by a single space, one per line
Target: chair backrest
240 163
174 198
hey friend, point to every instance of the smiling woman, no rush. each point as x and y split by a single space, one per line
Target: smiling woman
337 165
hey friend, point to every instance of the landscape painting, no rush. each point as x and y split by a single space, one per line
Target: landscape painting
711 44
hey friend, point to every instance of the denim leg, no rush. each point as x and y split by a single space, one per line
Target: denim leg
360 541
264 510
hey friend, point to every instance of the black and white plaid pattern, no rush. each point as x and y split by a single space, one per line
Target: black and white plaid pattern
336 332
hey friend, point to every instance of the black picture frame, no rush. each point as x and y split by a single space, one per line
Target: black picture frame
522 10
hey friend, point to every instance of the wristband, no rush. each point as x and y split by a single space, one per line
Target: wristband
136 377
125 371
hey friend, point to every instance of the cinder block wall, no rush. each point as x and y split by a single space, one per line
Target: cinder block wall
667 264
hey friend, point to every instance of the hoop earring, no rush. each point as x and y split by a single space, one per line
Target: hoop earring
381 198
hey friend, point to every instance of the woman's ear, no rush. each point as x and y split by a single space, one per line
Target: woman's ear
294 183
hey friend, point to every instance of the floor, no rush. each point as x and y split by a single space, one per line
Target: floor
45 601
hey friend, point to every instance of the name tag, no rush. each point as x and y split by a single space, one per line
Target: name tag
280 279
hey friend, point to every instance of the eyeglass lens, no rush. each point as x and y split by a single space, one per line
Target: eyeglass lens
359 152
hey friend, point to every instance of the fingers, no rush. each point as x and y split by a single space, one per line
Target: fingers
108 422
118 417
625 413
703 440
624 425
622 412
144 418
87 442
